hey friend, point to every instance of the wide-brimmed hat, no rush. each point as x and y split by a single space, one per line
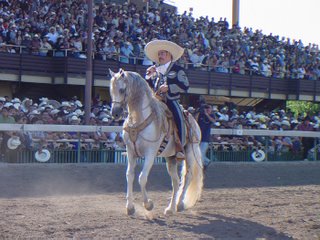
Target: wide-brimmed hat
74 118
13 143
42 155
285 122
191 109
153 47
258 155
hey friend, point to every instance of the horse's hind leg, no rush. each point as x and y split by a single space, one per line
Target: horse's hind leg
130 178
184 183
143 178
191 178
173 172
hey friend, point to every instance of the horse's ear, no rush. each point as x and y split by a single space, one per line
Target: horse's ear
111 73
121 71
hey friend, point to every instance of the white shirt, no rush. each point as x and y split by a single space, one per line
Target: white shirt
163 68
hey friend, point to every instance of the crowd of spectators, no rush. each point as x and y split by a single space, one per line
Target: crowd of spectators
120 32
279 119
48 111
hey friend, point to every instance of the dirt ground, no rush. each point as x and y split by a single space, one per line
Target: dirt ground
239 201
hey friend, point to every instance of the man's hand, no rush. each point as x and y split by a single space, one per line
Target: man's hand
211 119
164 88
151 70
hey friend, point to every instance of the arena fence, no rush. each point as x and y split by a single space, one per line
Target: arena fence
75 156
245 150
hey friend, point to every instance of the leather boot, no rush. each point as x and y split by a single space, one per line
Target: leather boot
179 151
179 148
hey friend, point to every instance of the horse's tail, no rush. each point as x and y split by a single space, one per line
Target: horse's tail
192 176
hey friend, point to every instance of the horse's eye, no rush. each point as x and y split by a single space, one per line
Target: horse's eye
122 90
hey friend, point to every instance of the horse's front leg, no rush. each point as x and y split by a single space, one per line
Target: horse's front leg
132 161
143 178
173 172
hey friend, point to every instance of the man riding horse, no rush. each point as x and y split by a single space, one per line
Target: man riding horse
168 80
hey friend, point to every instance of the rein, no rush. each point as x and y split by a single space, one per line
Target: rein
122 103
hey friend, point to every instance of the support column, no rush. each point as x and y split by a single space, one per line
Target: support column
235 12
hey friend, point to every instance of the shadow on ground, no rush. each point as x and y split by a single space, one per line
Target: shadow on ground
222 227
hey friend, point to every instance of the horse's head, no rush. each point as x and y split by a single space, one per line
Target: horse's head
118 92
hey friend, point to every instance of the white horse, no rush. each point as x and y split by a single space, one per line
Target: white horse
146 128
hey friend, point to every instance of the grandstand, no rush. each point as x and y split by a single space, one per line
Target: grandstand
31 75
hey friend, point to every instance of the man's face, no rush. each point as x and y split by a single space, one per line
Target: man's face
5 112
208 110
164 57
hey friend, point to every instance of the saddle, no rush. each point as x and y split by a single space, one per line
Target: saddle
188 125
191 128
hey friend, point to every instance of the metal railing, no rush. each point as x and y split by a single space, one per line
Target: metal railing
138 60
218 151
60 70
74 156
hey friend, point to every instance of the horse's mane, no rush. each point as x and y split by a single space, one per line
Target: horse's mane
137 85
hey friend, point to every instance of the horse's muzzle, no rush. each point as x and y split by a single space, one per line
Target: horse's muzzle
117 112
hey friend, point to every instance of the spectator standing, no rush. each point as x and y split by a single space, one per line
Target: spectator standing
77 46
60 47
37 139
52 35
5 118
26 43
35 45
266 68
301 72
18 38
307 143
110 50
45 47
254 66
196 57
126 52
184 61
205 118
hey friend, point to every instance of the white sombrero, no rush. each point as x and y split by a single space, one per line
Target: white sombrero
13 143
153 47
42 155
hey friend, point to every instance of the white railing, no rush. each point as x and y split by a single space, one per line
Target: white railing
57 128
101 153
91 128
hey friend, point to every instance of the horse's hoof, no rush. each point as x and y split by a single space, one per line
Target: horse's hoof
168 211
130 211
180 207
148 205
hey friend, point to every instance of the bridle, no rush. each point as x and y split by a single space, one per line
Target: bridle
121 103
124 101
